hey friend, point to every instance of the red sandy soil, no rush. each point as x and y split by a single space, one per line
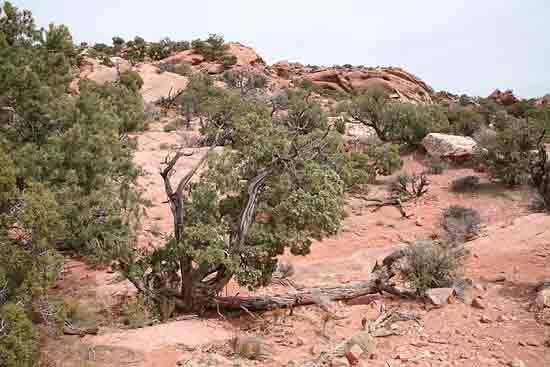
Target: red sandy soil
514 243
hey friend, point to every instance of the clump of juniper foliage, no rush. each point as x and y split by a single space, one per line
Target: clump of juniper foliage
394 121
66 172
460 223
506 153
465 184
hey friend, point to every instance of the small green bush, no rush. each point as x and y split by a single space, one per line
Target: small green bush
131 80
430 264
78 315
229 60
435 165
135 313
340 126
460 223
507 158
18 339
539 170
386 159
465 184
173 125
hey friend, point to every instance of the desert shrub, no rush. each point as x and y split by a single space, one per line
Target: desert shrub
394 121
245 81
465 184
465 121
213 48
66 168
340 126
18 339
435 165
431 264
507 159
131 80
408 185
173 125
286 270
278 185
135 313
460 223
539 171
79 315
229 60
152 112
183 68
357 171
386 158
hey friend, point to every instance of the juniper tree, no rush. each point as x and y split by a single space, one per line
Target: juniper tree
66 171
275 187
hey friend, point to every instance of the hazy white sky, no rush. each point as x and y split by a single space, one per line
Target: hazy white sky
463 46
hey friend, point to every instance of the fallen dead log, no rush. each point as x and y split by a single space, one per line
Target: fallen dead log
69 330
306 296
309 296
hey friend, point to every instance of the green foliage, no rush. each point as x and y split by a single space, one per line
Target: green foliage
245 81
131 80
213 48
229 60
194 100
386 158
507 155
277 185
465 184
66 170
357 171
18 339
460 223
436 165
464 121
135 313
539 171
393 121
523 109
430 264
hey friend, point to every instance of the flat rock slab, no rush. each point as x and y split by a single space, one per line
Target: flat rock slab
191 333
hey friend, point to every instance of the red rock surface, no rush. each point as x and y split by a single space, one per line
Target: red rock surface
505 98
398 83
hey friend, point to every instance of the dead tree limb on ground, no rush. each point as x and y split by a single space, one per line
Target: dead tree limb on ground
380 282
406 188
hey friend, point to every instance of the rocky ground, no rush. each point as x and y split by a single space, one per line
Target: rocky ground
496 322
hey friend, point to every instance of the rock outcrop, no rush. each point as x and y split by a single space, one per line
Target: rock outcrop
449 146
543 101
505 98
397 83
155 85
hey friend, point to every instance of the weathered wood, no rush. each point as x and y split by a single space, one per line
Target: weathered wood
306 296
68 330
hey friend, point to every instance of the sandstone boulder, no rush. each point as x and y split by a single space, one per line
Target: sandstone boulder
449 146
505 98
543 299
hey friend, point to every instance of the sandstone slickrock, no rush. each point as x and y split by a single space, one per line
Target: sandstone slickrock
449 146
